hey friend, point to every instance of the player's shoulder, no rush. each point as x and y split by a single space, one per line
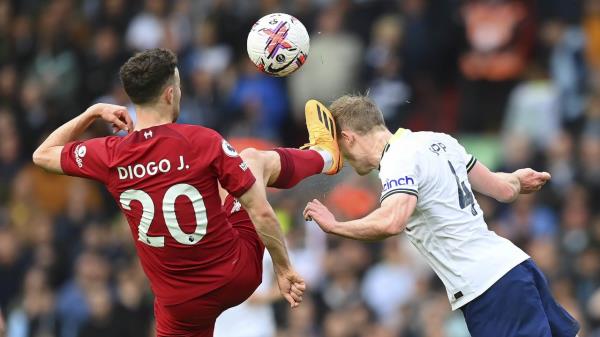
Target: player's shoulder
195 131
415 145
430 141
405 144
197 135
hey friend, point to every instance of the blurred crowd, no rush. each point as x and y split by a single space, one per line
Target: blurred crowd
517 80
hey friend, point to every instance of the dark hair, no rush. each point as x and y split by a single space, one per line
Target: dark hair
146 73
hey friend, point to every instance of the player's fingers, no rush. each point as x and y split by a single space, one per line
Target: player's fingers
123 115
297 290
313 216
309 210
128 119
119 123
305 215
296 297
300 285
305 212
290 300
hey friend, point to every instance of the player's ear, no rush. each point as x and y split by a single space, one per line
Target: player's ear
170 94
347 137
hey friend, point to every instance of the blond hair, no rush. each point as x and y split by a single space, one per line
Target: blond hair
357 113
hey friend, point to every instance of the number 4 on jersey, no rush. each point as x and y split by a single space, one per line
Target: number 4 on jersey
465 196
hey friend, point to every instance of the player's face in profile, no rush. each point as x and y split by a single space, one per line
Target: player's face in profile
350 145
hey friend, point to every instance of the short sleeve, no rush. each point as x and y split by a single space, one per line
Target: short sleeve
399 173
86 159
233 173
468 158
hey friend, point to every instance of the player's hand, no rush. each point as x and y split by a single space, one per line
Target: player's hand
116 115
531 180
316 211
291 286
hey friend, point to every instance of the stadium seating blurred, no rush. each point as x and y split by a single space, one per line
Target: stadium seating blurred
518 81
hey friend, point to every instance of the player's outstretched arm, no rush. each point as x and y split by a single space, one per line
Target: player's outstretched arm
48 153
388 220
262 215
506 187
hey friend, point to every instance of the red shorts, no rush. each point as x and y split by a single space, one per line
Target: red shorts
196 318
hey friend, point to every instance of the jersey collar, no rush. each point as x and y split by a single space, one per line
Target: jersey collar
399 133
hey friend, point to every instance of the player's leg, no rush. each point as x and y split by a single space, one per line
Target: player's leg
286 167
194 318
562 324
511 307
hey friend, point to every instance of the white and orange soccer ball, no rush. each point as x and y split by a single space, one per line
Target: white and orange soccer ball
278 44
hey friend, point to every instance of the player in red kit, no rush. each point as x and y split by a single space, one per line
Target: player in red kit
200 257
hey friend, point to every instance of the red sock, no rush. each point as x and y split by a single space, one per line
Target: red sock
297 165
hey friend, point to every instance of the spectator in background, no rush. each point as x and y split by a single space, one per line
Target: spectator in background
101 63
500 38
33 111
565 44
103 320
10 163
12 265
560 156
133 306
23 41
259 104
91 274
387 88
590 164
341 288
528 220
8 83
110 13
147 29
332 67
390 284
575 218
209 54
36 315
207 64
55 64
302 322
534 108
591 28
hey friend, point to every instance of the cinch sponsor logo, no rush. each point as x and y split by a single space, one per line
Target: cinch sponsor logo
391 183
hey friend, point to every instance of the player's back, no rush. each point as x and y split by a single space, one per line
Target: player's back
165 179
447 226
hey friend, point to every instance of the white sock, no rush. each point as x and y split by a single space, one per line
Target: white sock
327 160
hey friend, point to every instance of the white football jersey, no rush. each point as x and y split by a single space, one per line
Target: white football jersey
447 226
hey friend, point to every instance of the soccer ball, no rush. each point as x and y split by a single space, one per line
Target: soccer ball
278 44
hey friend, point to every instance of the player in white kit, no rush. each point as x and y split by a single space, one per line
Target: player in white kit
427 181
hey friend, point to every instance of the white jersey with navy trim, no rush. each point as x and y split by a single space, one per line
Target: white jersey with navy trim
447 226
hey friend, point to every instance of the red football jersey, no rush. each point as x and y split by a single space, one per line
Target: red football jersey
165 178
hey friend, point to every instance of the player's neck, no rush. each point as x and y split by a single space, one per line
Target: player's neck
380 138
149 116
